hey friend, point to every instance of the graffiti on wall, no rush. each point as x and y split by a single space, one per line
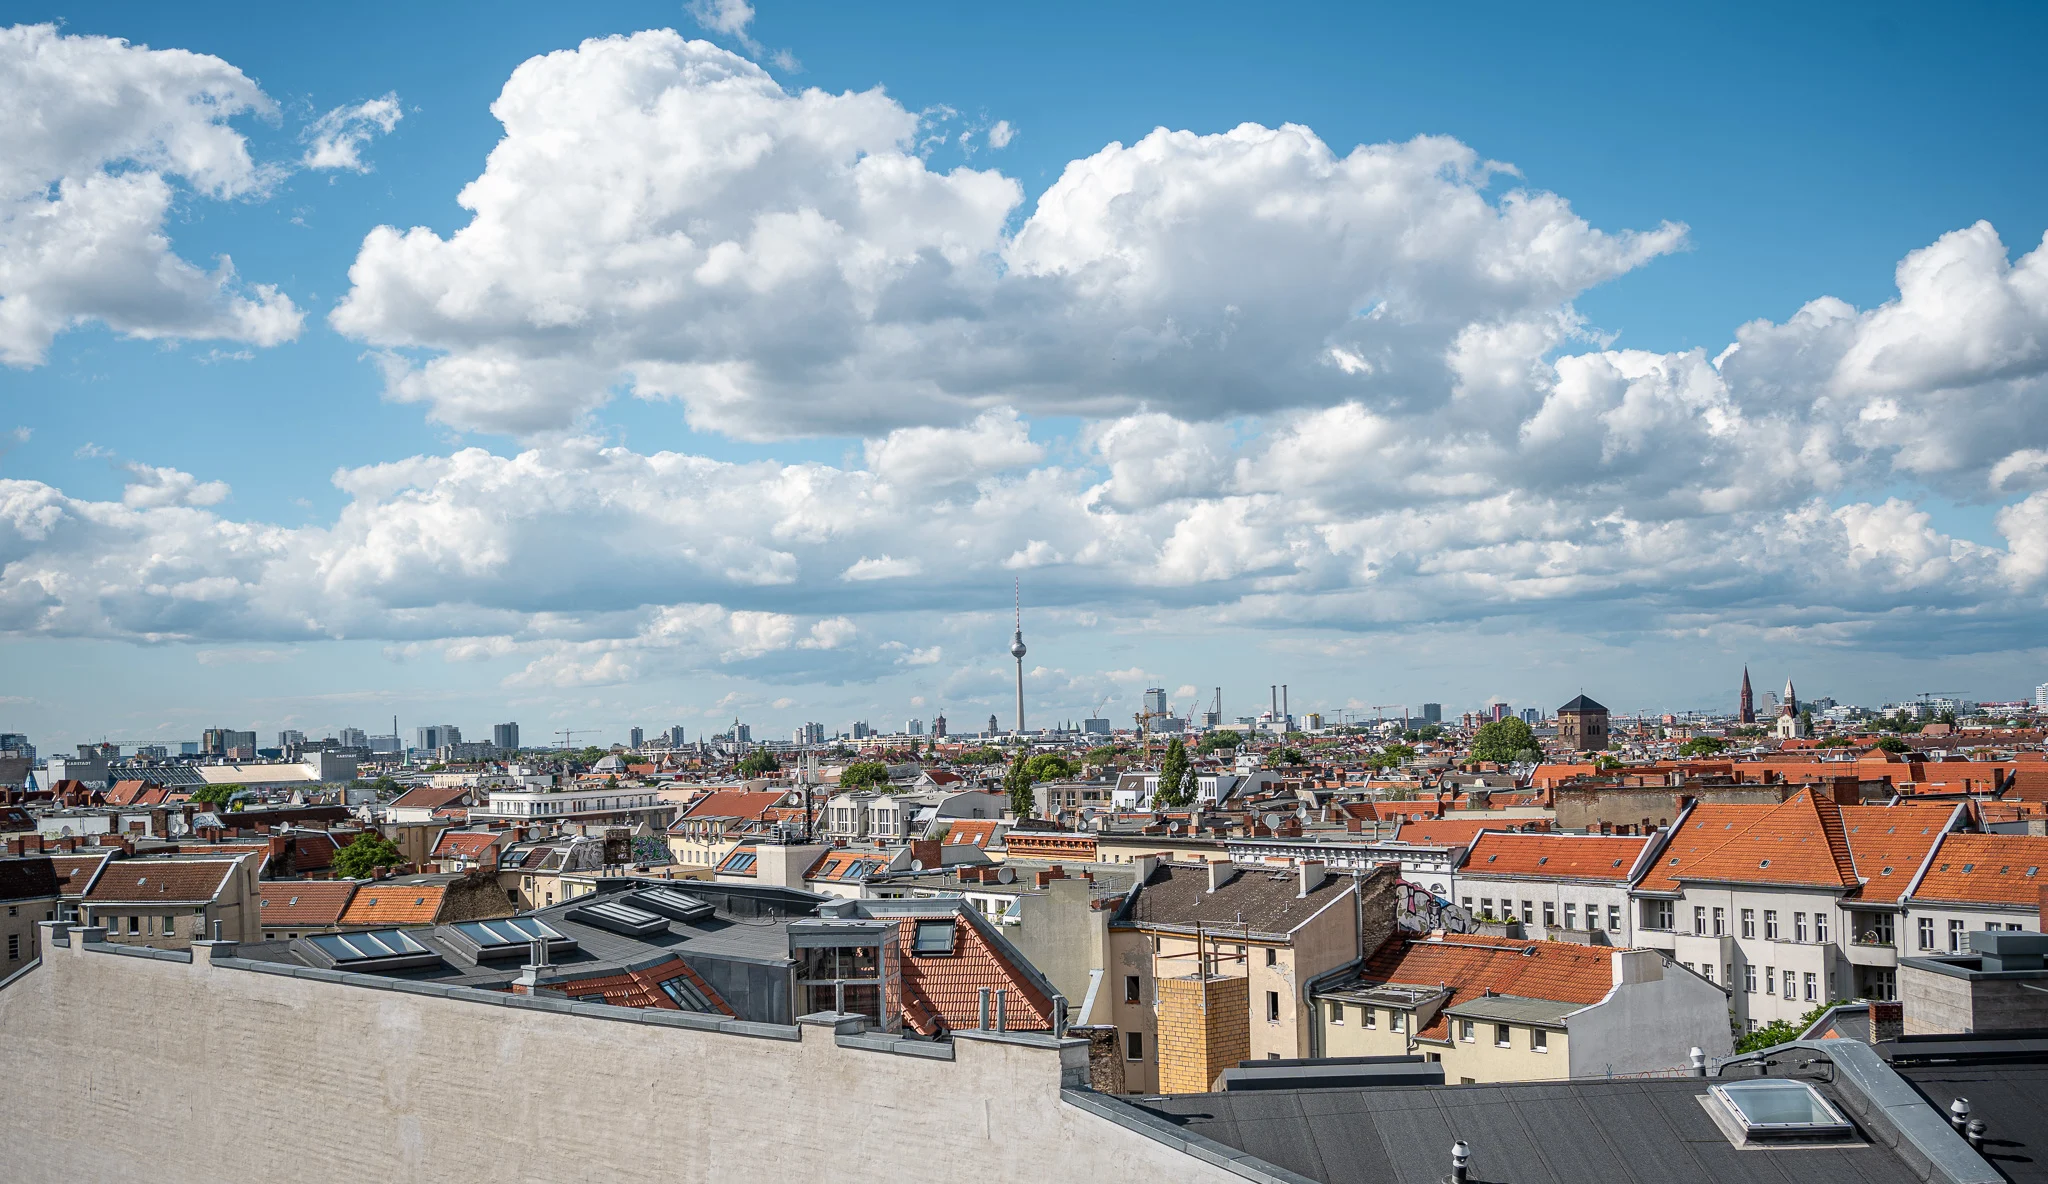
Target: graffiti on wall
1418 910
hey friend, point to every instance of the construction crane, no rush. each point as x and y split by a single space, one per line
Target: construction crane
568 734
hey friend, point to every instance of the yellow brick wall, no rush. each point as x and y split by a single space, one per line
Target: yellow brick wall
1204 1028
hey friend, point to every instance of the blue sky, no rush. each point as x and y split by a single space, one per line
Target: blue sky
1805 153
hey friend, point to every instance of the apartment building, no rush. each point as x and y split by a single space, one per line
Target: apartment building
1974 882
168 903
1792 905
1498 1009
1571 886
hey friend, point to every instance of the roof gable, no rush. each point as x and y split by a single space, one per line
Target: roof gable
1799 841
1574 857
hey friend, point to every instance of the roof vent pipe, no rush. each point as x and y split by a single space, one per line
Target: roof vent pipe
1975 1135
1959 1114
1699 1061
1461 1161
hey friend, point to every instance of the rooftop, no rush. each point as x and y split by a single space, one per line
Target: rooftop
1264 899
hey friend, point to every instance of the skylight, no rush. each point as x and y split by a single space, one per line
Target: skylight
622 919
1780 1108
934 937
386 949
509 935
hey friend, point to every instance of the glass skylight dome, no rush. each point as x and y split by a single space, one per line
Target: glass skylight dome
1779 1108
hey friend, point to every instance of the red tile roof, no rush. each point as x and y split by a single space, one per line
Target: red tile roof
978 832
1571 857
395 904
1445 831
943 991
125 793
1987 869
160 881
642 988
1800 841
1705 828
1471 965
1889 843
732 803
466 844
312 903
429 797
74 872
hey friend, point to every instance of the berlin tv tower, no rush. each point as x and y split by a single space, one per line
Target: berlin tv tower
1017 652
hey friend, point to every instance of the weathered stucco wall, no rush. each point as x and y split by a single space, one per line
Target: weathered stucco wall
130 1067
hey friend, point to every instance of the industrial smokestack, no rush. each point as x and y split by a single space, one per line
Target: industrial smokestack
1284 712
1275 689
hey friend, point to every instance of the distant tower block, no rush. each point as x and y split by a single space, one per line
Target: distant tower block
1017 652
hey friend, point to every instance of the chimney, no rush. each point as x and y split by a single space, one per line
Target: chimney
1144 866
1637 966
1220 873
1311 876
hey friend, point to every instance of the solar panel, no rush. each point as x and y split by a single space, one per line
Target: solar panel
672 904
617 917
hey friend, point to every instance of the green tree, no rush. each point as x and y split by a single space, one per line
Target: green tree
1836 742
1049 766
864 775
1605 763
1101 755
217 796
1702 746
1219 740
368 853
759 762
1393 756
1505 740
1287 756
1779 1031
1174 787
1894 744
1017 783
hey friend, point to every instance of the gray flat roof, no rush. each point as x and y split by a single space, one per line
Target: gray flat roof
1514 1009
1573 1132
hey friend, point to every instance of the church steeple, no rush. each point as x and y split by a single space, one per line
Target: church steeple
1746 711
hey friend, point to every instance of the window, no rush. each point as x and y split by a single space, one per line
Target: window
1699 919
1749 922
1657 914
1812 987
1790 987
1134 1046
1131 989
1368 1017
934 937
1749 979
1771 924
135 924
1273 1006
1614 918
1820 927
1337 1014
1272 956
1396 1020
170 927
1720 922
1956 939
1799 927
1539 1040
13 946
1549 915
1927 933
1467 902
1502 1036
1571 915
1707 971
1465 1030
1528 912
684 994
1486 906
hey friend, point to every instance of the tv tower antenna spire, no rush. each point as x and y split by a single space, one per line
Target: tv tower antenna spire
1017 649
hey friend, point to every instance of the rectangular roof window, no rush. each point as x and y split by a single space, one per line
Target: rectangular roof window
622 919
509 935
934 937
384 949
685 994
1779 1108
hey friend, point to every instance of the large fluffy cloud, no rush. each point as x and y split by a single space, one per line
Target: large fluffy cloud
99 136
661 213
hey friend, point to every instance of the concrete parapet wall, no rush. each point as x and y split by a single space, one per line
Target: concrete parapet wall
162 1069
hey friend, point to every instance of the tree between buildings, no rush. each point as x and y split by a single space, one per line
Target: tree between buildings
1175 788
865 775
1779 1031
364 856
759 763
216 795
1218 740
1017 783
1049 766
1504 741
1702 746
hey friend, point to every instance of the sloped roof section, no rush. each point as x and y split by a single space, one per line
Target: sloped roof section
1573 857
1800 841
1987 869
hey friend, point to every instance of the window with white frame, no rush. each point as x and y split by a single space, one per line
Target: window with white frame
1368 1017
1549 915
1770 980
1749 979
1571 915
1614 918
1799 927
1699 920
1770 924
1812 986
1465 1031
1337 1014
1820 927
1539 1040
1503 1036
1956 940
1720 922
1791 986
1749 922
1397 1021
1927 933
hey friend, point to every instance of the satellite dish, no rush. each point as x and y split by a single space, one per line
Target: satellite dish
917 865
1271 821
1005 875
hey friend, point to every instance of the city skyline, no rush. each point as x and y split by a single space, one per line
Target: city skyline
1544 413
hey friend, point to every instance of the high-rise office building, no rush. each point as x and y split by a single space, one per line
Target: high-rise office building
505 736
675 736
635 738
2041 697
290 738
1531 716
352 738
914 728
434 736
1155 701
1095 725
1432 713
227 742
1500 711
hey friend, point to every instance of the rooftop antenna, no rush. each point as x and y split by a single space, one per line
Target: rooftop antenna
1017 649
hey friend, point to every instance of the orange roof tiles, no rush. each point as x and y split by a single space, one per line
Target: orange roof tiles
1704 829
471 844
944 990
395 904
976 832
1471 965
1987 869
304 902
1571 857
1889 843
728 803
1445 831
429 797
1800 841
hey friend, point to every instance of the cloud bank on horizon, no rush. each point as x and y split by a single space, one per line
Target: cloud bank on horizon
1314 390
